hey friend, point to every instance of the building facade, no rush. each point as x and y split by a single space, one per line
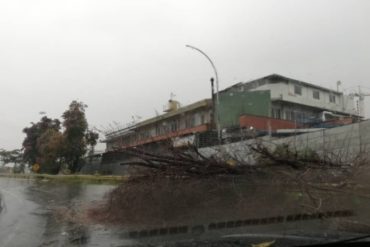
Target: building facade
296 101
178 124
268 104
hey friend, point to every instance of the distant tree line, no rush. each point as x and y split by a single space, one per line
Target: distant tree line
51 145
14 157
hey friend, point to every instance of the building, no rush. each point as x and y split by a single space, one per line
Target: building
276 101
179 124
268 104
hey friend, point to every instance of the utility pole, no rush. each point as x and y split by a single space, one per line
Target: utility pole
216 106
214 122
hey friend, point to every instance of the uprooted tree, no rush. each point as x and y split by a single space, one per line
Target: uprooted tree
181 163
179 185
191 162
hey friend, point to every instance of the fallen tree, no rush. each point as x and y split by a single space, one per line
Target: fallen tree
184 185
177 162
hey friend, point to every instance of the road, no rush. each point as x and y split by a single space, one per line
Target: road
27 216
30 216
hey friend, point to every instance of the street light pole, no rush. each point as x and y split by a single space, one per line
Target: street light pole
217 92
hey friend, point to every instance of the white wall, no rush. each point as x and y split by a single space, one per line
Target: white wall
285 91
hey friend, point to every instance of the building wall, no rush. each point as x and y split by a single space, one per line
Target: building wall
293 112
266 123
233 104
303 107
186 123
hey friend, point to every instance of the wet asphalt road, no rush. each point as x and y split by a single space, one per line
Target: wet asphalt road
27 216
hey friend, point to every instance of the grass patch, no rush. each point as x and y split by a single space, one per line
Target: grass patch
72 178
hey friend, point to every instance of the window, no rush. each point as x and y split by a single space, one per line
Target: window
202 119
299 117
297 90
316 94
157 130
289 115
276 113
173 126
190 122
331 98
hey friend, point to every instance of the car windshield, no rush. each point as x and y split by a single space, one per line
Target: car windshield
184 123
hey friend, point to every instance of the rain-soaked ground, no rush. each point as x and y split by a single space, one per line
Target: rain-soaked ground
28 217
29 209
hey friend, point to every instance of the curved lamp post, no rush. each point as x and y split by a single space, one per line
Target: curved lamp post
217 94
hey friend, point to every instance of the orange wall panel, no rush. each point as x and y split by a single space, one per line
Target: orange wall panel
266 123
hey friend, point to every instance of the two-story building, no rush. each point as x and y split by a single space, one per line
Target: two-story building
268 104
291 102
178 124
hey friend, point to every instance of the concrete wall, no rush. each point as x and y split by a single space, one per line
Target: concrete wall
343 144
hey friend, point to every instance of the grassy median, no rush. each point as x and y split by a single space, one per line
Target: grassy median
73 177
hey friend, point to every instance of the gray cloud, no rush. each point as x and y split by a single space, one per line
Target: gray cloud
124 58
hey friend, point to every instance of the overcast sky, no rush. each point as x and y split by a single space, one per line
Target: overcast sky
125 57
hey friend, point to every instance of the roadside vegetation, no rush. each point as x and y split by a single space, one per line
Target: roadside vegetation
14 157
52 146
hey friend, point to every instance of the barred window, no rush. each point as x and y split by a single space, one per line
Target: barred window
316 94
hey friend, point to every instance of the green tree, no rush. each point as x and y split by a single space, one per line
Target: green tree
49 147
75 135
33 133
91 140
12 156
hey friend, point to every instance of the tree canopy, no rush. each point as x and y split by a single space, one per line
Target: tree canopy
33 133
75 130
51 144
12 157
